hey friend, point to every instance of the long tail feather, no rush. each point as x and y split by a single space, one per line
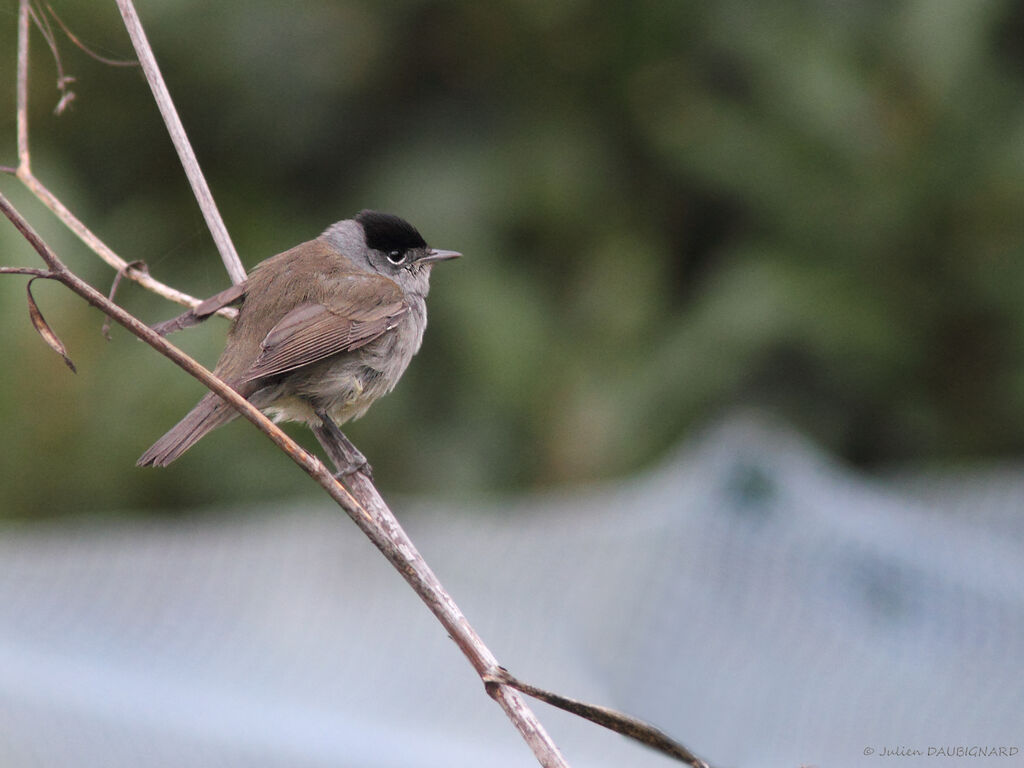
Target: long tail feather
210 413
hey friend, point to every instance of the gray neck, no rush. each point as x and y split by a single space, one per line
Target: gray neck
347 237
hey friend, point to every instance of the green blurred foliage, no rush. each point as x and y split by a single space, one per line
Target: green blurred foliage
668 209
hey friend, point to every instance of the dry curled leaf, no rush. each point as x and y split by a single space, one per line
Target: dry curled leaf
65 101
40 324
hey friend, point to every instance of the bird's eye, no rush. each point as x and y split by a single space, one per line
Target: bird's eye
396 257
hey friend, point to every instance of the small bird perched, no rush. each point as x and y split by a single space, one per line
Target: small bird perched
323 330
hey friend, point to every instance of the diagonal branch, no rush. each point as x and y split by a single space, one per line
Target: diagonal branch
181 143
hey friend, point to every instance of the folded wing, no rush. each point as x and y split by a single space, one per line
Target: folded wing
359 313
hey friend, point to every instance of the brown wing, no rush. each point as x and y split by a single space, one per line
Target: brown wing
362 312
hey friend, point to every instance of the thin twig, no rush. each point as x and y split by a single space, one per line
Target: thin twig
104 252
139 265
363 503
22 88
47 198
26 271
181 143
43 25
629 726
63 81
86 49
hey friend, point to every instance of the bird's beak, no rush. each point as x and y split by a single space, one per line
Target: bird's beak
435 254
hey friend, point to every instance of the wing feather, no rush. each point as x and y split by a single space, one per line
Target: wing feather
312 332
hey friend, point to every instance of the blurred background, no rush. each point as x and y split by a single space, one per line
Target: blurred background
671 212
667 208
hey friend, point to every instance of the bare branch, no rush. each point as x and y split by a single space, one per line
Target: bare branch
26 271
363 503
105 252
86 49
629 726
181 143
47 198
138 265
63 80
22 98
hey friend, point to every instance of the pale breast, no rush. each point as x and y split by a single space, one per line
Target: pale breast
347 384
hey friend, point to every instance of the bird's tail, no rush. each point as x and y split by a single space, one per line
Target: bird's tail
210 413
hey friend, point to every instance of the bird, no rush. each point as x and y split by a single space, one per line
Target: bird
323 330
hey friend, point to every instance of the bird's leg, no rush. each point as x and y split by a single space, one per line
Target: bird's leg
346 457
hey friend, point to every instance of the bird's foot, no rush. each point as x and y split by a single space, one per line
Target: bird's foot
355 466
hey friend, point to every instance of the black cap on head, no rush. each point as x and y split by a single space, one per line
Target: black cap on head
385 232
